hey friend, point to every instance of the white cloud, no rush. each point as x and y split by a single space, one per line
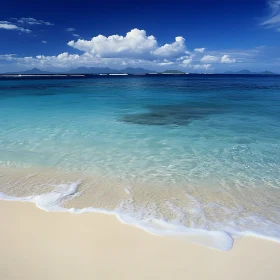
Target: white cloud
214 59
244 55
18 24
273 20
66 60
70 29
136 44
187 61
202 66
33 21
172 50
199 50
135 49
44 42
226 59
76 35
165 63
7 56
209 59
61 61
10 26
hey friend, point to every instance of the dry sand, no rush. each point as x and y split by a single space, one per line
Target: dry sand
41 245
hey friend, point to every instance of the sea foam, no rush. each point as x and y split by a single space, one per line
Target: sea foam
53 201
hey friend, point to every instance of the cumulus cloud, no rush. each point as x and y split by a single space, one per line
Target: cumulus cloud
136 44
199 50
186 61
273 20
60 61
226 59
209 59
33 21
166 62
135 49
10 26
214 59
172 50
202 66
66 60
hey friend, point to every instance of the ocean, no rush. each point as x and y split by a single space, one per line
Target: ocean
174 155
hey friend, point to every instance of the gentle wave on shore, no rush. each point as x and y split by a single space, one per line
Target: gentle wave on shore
207 217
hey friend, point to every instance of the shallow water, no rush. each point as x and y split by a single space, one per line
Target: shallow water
201 152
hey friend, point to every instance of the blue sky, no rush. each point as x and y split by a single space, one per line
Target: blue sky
191 35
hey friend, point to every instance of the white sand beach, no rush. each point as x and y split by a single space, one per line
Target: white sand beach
42 245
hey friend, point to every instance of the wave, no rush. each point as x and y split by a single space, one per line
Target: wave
52 202
218 239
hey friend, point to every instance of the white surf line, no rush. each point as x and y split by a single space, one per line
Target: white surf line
52 202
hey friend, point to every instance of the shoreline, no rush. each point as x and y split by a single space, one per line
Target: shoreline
52 191
36 244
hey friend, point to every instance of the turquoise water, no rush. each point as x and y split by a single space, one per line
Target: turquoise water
216 132
164 129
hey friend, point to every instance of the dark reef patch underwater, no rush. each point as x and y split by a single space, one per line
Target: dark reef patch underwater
181 114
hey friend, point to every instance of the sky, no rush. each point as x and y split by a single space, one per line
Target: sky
204 36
